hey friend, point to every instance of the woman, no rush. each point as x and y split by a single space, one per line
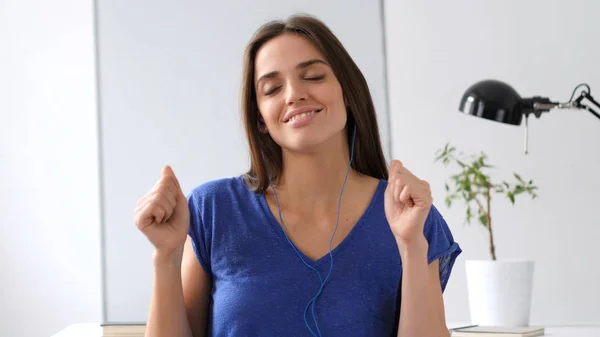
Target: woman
315 239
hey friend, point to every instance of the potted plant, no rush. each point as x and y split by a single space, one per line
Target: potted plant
499 290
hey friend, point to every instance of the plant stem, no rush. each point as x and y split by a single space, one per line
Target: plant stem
488 218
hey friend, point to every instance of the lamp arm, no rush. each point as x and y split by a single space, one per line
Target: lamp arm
585 95
537 105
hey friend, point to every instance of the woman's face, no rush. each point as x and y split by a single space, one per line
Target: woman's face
298 96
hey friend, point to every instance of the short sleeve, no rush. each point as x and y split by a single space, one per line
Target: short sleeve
199 232
441 244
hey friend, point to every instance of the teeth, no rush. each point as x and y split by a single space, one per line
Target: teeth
301 115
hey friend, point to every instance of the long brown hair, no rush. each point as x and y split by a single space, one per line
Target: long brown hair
368 156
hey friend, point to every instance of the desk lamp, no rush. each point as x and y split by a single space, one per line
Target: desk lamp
498 101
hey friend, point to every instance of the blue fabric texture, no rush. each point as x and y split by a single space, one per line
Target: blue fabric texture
261 287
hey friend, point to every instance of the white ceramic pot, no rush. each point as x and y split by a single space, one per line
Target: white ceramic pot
499 291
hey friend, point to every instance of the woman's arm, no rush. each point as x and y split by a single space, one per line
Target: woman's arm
422 310
408 205
197 286
180 296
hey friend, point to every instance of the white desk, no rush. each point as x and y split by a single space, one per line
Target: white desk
94 330
84 330
555 331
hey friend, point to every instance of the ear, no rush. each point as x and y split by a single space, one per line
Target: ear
262 127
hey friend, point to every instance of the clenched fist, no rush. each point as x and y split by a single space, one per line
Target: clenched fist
407 203
163 214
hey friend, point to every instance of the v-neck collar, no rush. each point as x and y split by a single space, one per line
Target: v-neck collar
273 222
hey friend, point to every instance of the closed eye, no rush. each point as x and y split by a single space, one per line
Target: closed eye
315 78
271 91
274 90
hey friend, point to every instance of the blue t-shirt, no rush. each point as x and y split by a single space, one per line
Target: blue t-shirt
260 286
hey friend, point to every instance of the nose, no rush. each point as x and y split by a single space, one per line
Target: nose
295 92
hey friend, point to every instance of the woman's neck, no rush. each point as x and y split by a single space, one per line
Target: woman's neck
314 181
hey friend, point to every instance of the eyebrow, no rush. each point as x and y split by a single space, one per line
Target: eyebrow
301 65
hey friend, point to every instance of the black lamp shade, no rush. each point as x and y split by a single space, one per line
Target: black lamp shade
493 100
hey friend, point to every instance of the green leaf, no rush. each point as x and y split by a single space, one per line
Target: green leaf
448 202
469 215
483 220
518 176
511 196
441 156
465 184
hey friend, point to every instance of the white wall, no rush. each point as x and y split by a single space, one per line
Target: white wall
435 50
49 237
170 76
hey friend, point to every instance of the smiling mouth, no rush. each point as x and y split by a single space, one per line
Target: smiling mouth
304 114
